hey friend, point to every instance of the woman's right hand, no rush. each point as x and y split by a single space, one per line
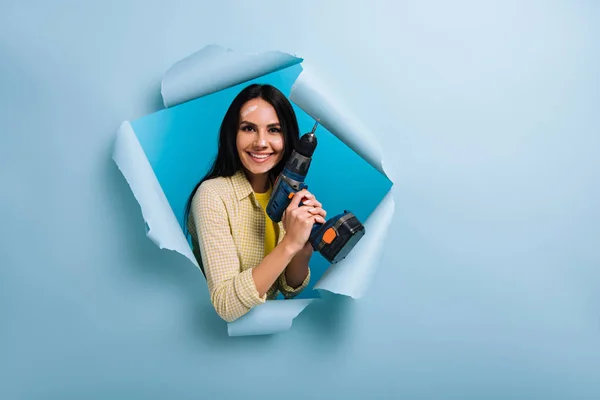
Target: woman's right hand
298 221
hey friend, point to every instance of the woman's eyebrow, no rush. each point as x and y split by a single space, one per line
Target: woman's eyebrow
253 124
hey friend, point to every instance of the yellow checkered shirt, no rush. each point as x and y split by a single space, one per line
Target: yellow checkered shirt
227 227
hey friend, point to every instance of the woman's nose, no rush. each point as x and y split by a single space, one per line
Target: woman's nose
261 140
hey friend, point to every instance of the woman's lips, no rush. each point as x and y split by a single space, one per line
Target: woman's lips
260 158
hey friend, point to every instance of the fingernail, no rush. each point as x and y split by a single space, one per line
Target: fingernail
308 202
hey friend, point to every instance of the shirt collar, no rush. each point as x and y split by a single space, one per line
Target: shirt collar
241 186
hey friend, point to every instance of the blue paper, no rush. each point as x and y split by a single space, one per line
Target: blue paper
272 316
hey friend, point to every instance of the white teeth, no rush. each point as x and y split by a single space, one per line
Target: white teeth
262 156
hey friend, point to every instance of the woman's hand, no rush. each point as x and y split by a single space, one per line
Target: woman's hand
298 221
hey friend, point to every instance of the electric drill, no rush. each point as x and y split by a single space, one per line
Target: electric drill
338 235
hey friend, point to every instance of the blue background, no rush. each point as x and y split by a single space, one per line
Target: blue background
181 144
490 283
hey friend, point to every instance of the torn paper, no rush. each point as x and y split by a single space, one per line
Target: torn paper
352 276
145 151
312 96
215 68
161 225
274 316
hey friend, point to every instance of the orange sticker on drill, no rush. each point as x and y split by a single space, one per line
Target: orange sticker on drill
329 235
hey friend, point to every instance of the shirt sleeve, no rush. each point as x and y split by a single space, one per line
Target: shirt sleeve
289 292
232 293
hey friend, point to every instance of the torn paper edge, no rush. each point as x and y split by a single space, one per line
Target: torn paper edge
162 225
351 276
214 68
312 96
274 316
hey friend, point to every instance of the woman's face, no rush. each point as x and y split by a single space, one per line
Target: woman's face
259 138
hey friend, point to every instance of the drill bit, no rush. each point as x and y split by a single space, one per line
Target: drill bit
314 128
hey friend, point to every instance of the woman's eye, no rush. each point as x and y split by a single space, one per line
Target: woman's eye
275 130
247 128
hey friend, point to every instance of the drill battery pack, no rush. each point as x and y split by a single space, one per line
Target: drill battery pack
335 239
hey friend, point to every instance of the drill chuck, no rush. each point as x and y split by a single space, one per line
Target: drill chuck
297 166
307 144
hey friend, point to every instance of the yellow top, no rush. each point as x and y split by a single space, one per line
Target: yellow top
270 228
228 229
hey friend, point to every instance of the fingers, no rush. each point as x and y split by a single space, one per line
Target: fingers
302 214
299 196
312 202
317 214
318 211
311 211
310 199
306 213
319 219
309 219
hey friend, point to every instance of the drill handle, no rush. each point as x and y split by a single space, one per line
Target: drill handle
281 198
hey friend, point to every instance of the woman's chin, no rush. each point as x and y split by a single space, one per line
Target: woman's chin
259 170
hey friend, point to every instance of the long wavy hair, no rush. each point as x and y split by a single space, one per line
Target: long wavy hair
227 162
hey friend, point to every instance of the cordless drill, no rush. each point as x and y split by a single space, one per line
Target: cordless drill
338 235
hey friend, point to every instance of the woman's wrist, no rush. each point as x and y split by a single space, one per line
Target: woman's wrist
290 248
305 253
297 269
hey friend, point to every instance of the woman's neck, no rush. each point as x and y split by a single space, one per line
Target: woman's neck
259 182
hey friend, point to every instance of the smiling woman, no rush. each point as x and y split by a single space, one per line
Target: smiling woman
245 257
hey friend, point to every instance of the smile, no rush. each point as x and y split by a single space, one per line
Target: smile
257 157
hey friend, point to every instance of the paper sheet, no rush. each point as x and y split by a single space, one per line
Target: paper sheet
351 276
271 317
312 96
213 69
161 224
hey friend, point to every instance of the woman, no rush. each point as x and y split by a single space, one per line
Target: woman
246 258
